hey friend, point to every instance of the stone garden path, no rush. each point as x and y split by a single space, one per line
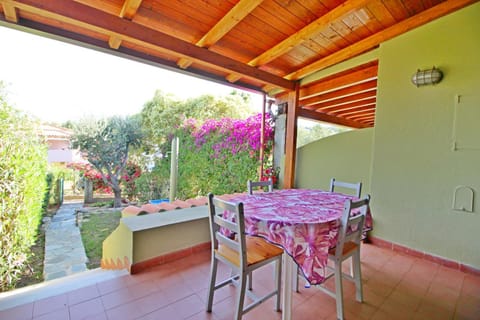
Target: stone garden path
64 250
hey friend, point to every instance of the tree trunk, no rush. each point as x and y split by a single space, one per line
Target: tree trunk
117 202
88 192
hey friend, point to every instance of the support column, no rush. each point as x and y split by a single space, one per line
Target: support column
291 138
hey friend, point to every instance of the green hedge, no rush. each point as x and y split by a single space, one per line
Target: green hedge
23 163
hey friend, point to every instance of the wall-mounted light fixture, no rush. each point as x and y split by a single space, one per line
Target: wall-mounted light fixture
425 77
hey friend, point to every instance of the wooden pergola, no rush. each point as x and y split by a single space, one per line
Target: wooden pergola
277 47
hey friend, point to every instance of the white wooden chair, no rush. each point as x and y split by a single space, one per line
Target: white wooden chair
348 246
355 187
259 184
242 253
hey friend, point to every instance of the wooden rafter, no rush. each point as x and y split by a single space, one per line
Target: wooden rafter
342 101
379 37
347 105
129 9
230 20
84 16
227 23
10 12
341 93
356 77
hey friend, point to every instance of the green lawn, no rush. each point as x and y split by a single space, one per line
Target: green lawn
95 227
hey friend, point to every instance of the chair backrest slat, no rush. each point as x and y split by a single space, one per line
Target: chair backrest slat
352 223
257 184
229 232
355 187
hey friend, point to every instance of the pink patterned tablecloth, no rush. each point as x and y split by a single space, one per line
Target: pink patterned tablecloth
304 222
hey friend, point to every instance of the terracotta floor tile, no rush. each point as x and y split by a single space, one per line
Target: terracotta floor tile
49 305
189 306
167 312
471 285
82 294
112 285
127 311
468 307
86 309
22 312
152 302
432 311
395 287
116 298
61 314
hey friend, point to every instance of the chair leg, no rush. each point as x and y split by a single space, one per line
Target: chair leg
295 279
211 285
241 295
278 286
339 290
357 275
250 280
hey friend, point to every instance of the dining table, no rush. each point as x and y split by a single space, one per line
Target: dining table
305 223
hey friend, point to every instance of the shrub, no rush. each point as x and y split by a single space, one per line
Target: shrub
219 156
23 162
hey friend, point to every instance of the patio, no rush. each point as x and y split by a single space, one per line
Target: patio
396 286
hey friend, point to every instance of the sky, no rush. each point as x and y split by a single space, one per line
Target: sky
56 81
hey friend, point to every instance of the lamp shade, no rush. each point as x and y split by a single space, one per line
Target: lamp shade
425 77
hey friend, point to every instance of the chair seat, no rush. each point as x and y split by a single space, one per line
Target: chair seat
348 247
258 250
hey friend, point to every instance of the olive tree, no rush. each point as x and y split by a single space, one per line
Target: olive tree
106 144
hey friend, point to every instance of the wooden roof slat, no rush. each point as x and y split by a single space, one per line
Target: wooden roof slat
73 12
344 92
356 77
343 100
305 33
379 37
367 107
347 105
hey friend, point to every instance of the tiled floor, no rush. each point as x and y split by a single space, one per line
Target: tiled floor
395 287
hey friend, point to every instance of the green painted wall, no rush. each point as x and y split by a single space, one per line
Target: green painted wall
407 163
345 156
415 171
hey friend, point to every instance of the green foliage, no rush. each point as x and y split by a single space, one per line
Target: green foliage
164 114
106 144
309 131
219 156
23 163
154 184
95 228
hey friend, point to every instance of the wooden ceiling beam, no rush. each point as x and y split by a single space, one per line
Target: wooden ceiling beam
340 101
10 12
376 39
228 22
224 25
344 92
349 105
307 32
343 113
130 8
310 114
353 78
87 17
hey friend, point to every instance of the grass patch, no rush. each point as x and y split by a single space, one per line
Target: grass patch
96 227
